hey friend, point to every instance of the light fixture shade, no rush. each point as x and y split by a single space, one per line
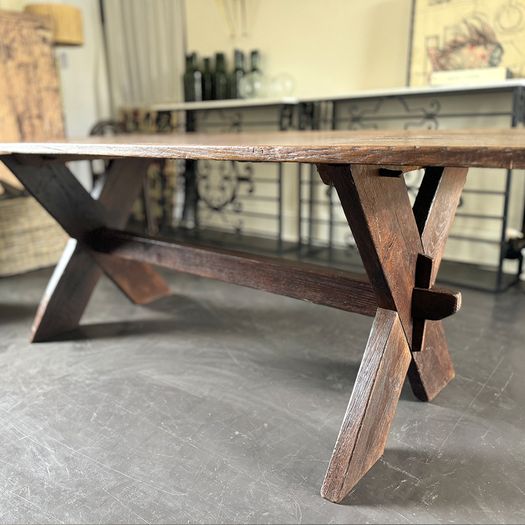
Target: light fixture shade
65 22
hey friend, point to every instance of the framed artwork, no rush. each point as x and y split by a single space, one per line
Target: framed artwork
451 35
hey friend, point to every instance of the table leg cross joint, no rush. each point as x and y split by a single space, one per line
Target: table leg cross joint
401 247
79 269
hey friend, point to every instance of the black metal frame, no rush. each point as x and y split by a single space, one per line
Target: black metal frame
233 175
343 112
414 116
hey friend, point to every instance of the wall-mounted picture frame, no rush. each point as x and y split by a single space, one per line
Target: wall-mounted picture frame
466 39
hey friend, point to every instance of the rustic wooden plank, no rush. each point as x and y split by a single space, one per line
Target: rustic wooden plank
440 217
30 102
62 195
66 295
30 105
435 303
73 281
316 284
423 275
467 148
425 195
137 280
387 234
78 271
372 406
380 216
431 369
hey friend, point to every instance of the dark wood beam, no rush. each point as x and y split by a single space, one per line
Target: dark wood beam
371 409
435 304
316 284
77 273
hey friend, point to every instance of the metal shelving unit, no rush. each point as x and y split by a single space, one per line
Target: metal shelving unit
229 190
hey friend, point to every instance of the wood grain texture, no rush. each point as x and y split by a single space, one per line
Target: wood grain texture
423 276
62 195
435 304
30 105
431 369
466 148
67 294
372 406
440 217
380 216
78 271
317 284
425 195
137 280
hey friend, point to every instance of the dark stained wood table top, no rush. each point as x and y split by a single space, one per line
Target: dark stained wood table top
498 148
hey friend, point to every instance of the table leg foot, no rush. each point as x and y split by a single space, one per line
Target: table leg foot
138 281
372 406
66 295
431 369
73 281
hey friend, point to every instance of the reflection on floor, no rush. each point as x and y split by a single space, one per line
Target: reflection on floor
222 404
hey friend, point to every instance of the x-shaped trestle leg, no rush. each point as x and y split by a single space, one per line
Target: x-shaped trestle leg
79 269
401 249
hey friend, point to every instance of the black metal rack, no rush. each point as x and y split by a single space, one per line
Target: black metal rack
416 108
220 189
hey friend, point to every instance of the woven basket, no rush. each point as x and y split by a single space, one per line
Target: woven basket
29 236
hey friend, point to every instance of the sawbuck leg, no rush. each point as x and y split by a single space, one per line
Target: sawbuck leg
79 269
401 249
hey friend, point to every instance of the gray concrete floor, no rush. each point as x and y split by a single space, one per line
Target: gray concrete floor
221 404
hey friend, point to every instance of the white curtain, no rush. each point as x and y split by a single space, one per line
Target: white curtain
146 47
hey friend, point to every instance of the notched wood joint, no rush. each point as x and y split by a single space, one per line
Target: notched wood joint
434 304
94 239
388 172
328 172
429 303
423 270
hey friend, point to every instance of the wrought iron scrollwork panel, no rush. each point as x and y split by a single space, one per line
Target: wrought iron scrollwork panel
221 186
226 121
413 115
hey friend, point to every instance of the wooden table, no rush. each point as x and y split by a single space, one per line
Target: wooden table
401 247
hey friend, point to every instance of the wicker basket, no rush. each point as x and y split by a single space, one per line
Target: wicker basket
29 236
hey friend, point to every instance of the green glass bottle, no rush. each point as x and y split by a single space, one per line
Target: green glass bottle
255 61
257 82
220 79
207 80
192 80
236 75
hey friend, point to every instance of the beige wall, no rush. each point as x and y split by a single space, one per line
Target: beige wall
327 46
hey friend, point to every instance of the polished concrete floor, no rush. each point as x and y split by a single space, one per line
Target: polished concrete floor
222 404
